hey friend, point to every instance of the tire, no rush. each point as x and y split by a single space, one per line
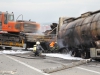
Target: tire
74 53
84 55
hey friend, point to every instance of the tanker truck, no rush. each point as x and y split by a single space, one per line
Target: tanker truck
81 35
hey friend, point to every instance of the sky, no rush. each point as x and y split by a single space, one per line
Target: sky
48 11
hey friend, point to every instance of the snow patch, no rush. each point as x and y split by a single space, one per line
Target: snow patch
64 56
13 52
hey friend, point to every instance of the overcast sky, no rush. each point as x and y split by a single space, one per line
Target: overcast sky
48 11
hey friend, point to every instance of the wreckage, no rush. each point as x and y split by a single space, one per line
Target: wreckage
81 35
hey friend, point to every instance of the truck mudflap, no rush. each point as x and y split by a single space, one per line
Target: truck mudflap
95 53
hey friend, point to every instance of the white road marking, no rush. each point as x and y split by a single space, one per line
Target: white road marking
31 67
88 70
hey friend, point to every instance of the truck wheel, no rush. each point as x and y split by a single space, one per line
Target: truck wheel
74 53
84 55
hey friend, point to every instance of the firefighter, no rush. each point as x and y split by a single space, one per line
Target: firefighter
52 46
37 49
56 47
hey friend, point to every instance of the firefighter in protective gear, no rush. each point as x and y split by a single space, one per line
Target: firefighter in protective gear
38 49
56 46
52 44
53 47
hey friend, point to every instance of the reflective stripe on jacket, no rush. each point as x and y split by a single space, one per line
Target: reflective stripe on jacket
34 48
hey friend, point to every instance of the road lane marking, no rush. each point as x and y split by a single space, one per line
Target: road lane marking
88 70
31 67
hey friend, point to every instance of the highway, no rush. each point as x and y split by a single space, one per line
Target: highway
27 64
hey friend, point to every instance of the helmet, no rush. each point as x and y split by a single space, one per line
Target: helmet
38 42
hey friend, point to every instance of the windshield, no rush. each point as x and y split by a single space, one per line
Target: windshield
10 17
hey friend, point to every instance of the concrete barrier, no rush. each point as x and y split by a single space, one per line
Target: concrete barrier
7 72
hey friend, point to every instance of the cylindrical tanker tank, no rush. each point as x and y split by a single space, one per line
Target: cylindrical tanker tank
80 34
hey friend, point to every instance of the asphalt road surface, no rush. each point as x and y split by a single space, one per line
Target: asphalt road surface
26 64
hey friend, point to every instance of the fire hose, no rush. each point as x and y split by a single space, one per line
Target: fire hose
66 66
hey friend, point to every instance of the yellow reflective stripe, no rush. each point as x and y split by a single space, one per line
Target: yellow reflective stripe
34 48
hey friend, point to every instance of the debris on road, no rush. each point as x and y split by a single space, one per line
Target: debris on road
66 66
7 72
